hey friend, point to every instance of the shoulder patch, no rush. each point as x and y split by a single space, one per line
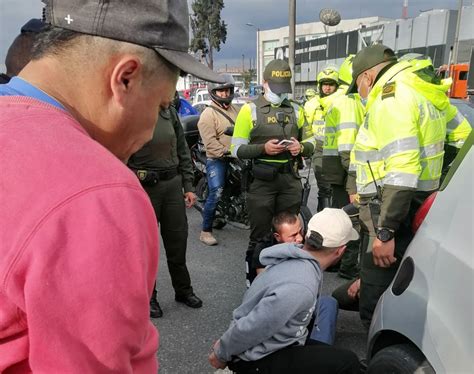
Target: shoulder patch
388 90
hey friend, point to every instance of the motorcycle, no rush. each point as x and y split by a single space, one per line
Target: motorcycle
231 207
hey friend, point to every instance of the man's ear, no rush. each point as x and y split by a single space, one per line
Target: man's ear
277 236
125 76
340 251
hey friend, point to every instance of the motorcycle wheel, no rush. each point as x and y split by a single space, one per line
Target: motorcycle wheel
201 193
219 223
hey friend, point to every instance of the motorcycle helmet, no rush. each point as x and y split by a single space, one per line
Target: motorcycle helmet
213 87
345 71
328 75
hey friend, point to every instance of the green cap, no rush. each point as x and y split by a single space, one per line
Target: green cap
278 75
366 59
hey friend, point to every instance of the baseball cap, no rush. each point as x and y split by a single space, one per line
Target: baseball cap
162 25
278 75
368 58
334 225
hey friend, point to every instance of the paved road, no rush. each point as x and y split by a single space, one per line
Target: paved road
218 278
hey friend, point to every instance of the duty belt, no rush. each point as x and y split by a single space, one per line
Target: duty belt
283 168
149 177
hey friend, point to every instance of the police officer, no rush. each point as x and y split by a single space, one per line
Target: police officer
309 94
435 89
399 148
315 111
165 171
212 125
342 123
272 131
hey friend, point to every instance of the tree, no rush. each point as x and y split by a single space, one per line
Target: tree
208 29
247 78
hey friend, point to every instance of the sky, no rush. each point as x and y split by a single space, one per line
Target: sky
241 39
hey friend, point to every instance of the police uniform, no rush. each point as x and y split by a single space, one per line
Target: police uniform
402 139
164 168
435 89
341 126
276 186
315 112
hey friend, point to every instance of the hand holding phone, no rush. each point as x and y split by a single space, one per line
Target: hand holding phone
285 142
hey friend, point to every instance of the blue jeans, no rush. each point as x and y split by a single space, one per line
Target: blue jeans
324 329
216 170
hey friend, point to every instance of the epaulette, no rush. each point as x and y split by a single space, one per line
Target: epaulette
388 90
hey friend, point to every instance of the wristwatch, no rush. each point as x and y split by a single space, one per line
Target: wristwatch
301 148
384 234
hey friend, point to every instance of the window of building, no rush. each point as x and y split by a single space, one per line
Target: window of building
270 45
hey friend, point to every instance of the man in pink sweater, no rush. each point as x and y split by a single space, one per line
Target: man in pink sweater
78 235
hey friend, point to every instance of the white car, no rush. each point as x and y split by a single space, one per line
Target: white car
424 322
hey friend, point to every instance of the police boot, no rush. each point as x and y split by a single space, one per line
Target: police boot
155 309
323 202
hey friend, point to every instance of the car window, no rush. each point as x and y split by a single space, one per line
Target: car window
466 108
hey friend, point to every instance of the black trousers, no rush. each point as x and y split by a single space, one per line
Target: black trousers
168 202
349 267
306 359
267 198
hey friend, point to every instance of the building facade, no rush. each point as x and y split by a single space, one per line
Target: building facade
431 33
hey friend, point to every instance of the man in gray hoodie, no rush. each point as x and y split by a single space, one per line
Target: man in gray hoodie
270 327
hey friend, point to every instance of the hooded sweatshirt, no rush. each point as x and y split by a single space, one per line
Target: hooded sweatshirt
277 308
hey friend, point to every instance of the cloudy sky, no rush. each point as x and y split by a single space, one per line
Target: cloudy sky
241 39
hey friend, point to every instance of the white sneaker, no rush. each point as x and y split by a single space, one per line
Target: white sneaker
207 238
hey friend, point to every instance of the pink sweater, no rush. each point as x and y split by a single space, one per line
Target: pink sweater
78 250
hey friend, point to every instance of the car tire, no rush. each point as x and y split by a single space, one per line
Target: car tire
399 359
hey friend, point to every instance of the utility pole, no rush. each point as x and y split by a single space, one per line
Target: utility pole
291 41
456 35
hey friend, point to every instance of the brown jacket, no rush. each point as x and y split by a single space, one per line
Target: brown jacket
211 127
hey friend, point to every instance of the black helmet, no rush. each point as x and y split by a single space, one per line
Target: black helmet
213 87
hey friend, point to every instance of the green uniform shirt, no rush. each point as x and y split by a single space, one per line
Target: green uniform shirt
166 150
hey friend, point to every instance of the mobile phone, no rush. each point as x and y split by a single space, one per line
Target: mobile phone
285 142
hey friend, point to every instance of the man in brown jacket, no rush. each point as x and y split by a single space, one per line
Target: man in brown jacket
212 124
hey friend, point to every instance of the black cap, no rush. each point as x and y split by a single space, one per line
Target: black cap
366 59
162 25
278 75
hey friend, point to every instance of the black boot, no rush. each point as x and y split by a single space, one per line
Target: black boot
155 309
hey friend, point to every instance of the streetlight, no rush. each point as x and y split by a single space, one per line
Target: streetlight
258 50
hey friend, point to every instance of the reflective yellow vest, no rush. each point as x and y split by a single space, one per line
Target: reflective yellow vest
248 130
315 110
342 123
402 137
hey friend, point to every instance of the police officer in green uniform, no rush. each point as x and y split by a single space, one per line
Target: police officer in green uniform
165 171
398 158
272 131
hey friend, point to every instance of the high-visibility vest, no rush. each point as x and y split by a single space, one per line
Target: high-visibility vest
343 120
259 122
402 137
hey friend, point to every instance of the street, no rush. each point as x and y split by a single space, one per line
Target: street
218 277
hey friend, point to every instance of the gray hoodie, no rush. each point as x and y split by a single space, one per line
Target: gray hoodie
277 308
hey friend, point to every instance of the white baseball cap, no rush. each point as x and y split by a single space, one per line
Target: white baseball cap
334 225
